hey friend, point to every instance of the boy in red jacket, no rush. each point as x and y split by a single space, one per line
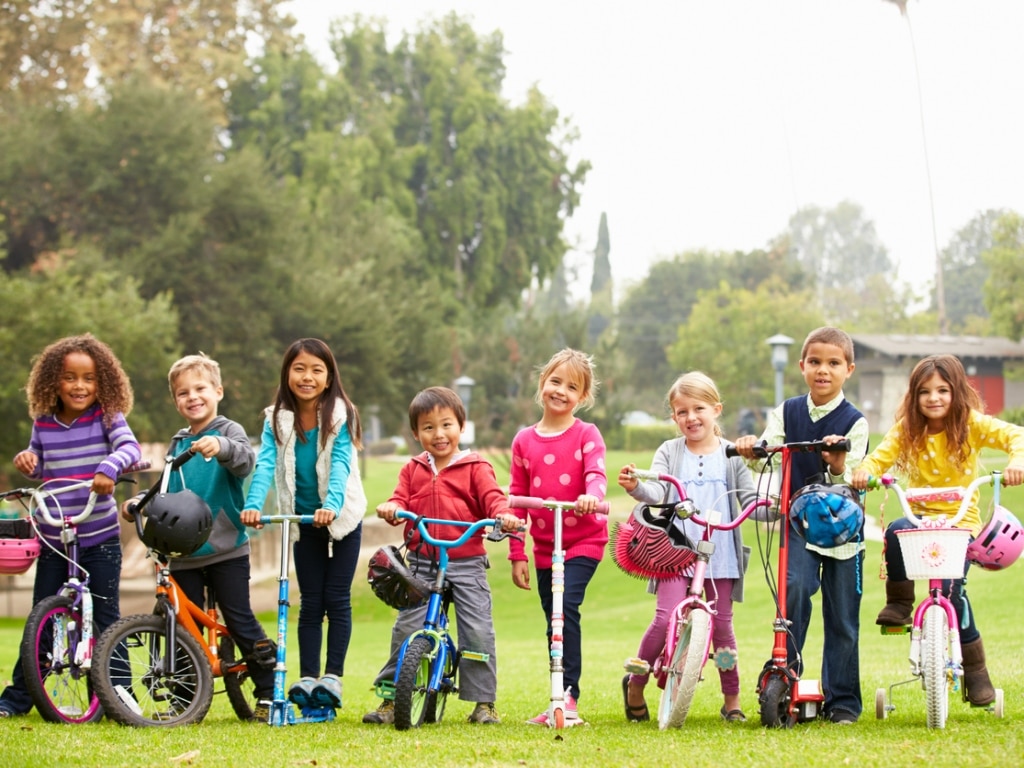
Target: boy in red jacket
446 483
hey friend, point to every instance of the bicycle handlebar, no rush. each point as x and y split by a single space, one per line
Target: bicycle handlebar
471 529
532 502
686 510
762 450
41 494
921 495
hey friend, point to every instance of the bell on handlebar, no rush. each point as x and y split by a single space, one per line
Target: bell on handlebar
685 509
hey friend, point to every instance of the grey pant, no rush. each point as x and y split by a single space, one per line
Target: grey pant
471 597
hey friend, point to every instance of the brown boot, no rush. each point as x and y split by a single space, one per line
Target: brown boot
899 604
979 688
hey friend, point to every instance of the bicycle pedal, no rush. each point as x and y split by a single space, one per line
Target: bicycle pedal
636 666
264 653
901 630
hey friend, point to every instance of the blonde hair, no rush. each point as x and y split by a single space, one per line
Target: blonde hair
581 369
699 386
199 364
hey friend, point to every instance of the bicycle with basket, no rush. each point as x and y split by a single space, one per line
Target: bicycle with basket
58 643
936 550
428 661
157 669
681 664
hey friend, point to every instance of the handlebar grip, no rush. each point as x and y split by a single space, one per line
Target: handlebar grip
603 508
181 459
525 502
139 466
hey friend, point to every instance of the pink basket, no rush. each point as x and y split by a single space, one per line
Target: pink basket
934 553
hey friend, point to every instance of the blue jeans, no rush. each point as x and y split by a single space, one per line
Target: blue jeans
229 580
325 587
954 589
578 573
841 583
103 563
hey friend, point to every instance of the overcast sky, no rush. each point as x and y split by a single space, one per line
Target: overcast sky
709 123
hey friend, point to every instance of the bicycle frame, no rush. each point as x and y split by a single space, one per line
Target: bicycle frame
952 664
694 599
556 708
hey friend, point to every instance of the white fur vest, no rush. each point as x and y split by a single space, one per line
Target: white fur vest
354 506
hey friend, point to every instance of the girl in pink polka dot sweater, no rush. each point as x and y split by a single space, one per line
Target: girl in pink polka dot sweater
562 458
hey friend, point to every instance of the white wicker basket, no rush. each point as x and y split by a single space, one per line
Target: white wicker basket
934 553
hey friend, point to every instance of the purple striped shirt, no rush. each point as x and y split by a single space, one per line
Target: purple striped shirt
78 451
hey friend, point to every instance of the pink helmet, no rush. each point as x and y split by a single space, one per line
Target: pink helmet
1000 542
17 555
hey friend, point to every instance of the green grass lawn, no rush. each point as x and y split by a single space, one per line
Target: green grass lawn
616 613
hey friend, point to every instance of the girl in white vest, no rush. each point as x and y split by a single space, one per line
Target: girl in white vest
308 451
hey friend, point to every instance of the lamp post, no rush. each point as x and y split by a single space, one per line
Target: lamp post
780 359
464 388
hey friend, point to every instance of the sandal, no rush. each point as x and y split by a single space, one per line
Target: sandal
733 716
637 714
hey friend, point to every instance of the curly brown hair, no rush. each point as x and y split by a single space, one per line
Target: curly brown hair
113 388
913 424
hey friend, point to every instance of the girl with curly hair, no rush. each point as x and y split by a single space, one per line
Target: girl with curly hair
78 397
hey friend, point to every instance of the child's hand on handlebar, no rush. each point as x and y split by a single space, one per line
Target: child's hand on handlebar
1013 475
251 517
586 504
102 485
509 523
859 479
836 460
128 508
207 447
745 446
626 479
324 517
386 510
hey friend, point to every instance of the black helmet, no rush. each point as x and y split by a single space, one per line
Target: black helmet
177 524
393 582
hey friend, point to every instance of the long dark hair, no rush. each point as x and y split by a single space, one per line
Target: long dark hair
334 392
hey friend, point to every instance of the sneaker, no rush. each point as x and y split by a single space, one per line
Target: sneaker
484 714
327 692
261 712
841 717
301 693
572 716
382 715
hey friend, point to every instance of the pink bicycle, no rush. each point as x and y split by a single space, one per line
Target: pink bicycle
681 664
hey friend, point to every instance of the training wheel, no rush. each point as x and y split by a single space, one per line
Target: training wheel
881 711
997 705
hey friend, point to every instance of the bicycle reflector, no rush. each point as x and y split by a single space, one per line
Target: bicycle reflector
19 546
1000 542
177 524
392 581
649 546
827 515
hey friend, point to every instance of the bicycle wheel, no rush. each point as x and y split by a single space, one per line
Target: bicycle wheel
132 678
234 680
59 686
411 687
684 670
436 701
934 655
774 701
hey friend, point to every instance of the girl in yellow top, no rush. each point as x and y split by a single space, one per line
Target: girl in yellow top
936 442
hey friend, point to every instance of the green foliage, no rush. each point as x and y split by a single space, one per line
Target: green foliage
647 437
1013 415
965 269
1004 288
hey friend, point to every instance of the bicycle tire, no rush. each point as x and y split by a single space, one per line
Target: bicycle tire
934 655
130 677
437 700
58 685
234 680
411 685
685 668
774 701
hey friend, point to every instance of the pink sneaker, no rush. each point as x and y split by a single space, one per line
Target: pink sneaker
572 716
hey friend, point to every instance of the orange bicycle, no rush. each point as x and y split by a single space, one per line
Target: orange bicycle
157 669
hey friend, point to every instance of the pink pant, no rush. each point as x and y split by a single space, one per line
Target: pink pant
670 593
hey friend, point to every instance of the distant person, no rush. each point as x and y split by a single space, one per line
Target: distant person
937 439
826 361
223 561
713 482
78 397
308 452
562 458
447 483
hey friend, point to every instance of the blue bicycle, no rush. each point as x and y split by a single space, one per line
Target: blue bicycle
428 661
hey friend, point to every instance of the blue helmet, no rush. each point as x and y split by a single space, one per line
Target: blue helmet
827 515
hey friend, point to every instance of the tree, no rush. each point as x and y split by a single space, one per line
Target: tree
961 260
1004 288
601 300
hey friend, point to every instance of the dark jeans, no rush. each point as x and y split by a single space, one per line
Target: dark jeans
578 573
841 583
103 563
954 589
230 582
325 587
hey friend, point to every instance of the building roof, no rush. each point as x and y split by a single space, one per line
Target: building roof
900 345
